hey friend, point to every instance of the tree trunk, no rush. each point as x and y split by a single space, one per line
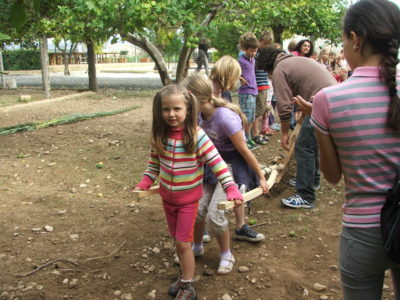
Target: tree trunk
91 60
66 63
154 53
157 56
44 59
183 63
278 31
2 70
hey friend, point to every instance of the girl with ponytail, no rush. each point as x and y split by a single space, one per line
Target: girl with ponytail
357 126
224 122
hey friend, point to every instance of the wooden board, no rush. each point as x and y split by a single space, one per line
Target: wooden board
289 154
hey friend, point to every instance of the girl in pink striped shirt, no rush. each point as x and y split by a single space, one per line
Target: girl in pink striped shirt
357 126
179 150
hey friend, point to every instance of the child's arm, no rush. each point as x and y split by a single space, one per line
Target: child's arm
209 154
151 172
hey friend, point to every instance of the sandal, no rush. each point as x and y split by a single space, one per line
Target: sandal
223 270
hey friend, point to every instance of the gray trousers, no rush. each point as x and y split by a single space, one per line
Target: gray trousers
306 154
363 263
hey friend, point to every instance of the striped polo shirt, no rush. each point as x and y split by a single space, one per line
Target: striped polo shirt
354 114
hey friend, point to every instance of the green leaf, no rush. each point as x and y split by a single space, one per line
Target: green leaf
18 15
4 36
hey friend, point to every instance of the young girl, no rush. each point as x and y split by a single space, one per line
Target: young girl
179 150
224 78
223 122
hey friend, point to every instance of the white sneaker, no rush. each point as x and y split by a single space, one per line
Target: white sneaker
225 269
206 237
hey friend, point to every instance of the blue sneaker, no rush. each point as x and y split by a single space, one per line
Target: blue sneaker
296 201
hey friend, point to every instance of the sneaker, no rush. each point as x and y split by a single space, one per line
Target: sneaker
174 288
198 252
227 267
248 234
275 126
186 291
251 144
206 237
260 140
296 201
292 182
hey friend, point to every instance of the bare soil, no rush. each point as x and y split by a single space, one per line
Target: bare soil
120 244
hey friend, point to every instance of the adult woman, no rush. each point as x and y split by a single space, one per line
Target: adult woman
358 132
304 48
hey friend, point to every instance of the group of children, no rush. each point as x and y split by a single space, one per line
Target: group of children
201 154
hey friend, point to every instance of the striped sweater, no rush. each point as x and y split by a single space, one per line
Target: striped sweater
181 173
354 114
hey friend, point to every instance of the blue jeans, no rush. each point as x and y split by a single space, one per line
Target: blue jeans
306 155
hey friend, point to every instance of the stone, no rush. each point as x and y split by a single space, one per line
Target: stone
243 269
48 228
226 297
126 297
319 287
151 295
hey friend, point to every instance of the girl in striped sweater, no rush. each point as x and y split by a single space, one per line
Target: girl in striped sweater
179 151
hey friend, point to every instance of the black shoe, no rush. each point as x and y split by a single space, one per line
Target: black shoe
247 234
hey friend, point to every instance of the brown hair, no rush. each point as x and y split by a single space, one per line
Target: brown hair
201 87
377 23
248 40
226 72
160 130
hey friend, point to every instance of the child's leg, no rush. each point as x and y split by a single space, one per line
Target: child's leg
185 220
247 105
204 202
186 259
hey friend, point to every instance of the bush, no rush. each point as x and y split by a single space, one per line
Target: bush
21 60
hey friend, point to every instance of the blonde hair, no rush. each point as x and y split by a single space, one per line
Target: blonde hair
160 130
201 87
226 72
267 37
248 40
322 52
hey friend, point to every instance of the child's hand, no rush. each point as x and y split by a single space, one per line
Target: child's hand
243 81
238 202
264 185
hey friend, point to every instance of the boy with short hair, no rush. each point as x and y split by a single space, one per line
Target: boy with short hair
248 90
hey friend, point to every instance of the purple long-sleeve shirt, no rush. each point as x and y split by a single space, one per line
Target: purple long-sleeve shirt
248 73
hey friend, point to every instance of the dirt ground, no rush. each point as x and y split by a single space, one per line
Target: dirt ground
55 204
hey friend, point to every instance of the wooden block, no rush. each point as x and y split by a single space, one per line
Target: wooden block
152 191
246 197
25 98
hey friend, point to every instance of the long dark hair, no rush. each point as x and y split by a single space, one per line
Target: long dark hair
377 23
299 44
159 129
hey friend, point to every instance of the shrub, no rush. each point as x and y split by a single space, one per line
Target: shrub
21 60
